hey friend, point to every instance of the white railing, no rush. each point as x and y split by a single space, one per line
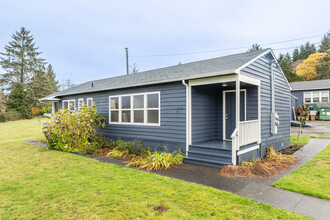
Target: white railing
249 132
234 145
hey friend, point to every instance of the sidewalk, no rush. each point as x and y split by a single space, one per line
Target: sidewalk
258 189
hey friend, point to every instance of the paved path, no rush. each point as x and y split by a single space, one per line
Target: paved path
258 189
318 128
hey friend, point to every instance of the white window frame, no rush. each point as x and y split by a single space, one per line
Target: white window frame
68 101
91 101
79 106
312 96
145 109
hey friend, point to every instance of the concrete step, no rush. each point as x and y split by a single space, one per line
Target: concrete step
205 162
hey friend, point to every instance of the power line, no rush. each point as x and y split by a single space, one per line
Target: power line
226 49
295 46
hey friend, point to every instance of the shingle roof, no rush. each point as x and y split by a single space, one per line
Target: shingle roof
199 69
308 85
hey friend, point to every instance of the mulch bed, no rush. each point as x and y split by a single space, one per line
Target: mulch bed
290 150
265 168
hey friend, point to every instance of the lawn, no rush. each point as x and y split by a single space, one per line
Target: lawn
39 183
304 139
312 178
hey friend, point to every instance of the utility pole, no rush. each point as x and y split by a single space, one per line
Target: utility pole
127 61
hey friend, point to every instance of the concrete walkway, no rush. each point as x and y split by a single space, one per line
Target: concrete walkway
258 189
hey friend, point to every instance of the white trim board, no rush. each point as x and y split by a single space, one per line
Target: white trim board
224 110
247 150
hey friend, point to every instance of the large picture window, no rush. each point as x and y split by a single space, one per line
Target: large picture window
316 96
69 104
137 109
80 102
89 101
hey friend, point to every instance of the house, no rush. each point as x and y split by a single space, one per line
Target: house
309 92
218 111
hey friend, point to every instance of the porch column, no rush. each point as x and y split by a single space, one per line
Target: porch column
235 148
53 107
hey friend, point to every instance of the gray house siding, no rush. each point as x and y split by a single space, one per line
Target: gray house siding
172 130
261 69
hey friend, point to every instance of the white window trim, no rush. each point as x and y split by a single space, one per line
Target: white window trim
68 101
145 109
87 101
79 106
312 97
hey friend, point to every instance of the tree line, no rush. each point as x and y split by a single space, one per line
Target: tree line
27 77
306 61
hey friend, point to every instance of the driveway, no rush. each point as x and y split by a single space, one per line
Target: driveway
316 129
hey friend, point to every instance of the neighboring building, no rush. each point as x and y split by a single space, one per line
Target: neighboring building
309 92
218 111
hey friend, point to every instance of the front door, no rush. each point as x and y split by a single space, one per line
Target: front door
230 111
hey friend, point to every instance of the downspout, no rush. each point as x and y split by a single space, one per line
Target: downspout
187 116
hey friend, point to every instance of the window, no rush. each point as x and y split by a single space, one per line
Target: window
80 102
317 96
325 96
69 104
89 101
139 109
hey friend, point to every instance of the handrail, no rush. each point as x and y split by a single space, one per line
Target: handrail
234 133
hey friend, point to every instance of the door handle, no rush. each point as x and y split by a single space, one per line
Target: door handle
226 116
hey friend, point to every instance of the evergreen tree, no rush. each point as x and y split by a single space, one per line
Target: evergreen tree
41 85
17 100
254 47
3 106
323 69
134 68
286 66
20 59
325 43
295 55
66 84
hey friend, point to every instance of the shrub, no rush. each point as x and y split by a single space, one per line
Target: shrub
134 148
121 154
155 161
98 145
73 131
10 115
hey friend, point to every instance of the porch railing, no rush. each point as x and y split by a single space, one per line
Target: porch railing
248 132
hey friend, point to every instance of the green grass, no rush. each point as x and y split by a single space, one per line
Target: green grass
36 183
313 178
304 139
325 137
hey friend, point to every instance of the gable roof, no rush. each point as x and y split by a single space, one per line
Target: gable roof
199 69
311 85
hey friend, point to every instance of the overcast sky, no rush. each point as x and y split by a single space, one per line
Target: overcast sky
86 40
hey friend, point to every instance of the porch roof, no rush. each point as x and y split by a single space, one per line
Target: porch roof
216 66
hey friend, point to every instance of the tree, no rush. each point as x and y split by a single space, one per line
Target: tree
41 85
134 68
323 69
286 66
17 100
254 47
20 59
303 52
325 43
3 106
66 84
308 68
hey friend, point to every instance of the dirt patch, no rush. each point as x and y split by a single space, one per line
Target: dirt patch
265 168
103 152
160 208
39 141
290 150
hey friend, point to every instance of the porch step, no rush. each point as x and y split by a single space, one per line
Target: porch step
218 156
205 162
209 149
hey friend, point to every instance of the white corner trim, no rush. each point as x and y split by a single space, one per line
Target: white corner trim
187 116
248 150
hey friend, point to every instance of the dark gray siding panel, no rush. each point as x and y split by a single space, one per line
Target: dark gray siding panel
172 130
261 69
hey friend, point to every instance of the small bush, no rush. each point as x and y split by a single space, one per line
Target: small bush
10 115
73 131
155 161
121 154
134 148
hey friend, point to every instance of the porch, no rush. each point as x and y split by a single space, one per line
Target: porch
224 120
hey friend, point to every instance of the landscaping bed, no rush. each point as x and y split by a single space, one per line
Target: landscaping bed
266 167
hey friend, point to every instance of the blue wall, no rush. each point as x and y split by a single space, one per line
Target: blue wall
172 130
261 69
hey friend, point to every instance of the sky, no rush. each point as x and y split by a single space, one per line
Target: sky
86 40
